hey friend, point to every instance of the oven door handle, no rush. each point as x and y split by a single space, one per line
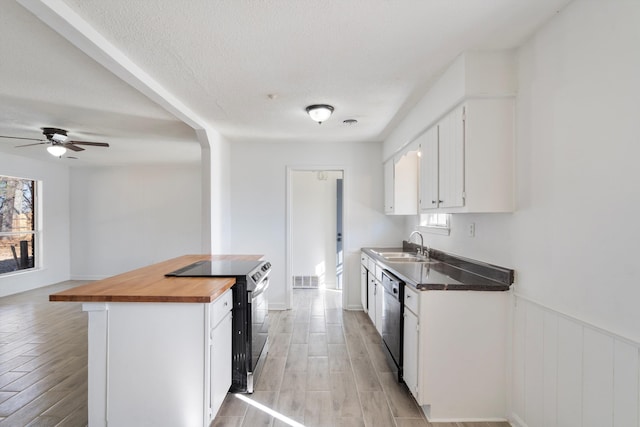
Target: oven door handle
260 288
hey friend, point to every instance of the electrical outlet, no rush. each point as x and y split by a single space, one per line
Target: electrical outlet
471 230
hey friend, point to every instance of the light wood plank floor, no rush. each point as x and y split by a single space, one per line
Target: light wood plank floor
43 360
325 368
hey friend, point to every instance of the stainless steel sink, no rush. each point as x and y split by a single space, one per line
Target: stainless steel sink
403 257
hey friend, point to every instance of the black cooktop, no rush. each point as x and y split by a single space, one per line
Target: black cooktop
217 268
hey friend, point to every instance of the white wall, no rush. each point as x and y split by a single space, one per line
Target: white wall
128 217
573 239
313 225
54 201
258 179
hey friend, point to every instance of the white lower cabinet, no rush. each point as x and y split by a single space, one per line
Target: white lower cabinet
455 354
379 309
371 296
364 281
158 364
374 294
410 351
220 367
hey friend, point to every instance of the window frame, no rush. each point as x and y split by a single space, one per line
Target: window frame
34 233
436 223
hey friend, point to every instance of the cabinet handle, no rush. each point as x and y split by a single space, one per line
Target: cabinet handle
440 201
408 296
433 202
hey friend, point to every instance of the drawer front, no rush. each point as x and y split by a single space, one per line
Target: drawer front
411 299
220 307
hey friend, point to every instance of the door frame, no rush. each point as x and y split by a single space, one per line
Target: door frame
288 234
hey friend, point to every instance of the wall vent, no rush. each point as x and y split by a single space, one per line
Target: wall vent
306 282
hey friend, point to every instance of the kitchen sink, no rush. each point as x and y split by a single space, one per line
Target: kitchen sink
403 257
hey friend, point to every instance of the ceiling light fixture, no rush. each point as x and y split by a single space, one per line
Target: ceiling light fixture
56 150
319 112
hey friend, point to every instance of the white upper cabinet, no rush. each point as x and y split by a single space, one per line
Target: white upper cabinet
401 184
467 159
451 159
429 179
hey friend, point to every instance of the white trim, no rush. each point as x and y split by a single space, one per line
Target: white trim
288 297
443 231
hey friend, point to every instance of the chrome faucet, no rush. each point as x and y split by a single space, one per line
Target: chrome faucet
421 250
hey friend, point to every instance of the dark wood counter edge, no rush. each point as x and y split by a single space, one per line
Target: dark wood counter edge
482 284
149 284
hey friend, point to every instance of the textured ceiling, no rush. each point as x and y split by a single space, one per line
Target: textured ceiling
371 59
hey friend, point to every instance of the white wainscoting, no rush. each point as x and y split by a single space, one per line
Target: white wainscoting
568 373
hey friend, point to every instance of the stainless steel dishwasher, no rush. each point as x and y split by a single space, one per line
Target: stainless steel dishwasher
392 325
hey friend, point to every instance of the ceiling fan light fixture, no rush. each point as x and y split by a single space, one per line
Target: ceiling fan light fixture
59 137
56 150
319 112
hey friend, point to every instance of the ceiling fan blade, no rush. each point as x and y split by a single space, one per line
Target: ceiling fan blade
19 137
29 145
95 144
72 147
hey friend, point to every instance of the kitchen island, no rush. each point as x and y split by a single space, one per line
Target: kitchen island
159 347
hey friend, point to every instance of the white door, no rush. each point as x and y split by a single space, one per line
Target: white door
410 357
221 362
389 179
363 287
371 295
451 155
429 170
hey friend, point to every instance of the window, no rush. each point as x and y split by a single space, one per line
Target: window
436 223
17 224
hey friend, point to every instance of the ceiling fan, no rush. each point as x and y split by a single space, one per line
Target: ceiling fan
58 142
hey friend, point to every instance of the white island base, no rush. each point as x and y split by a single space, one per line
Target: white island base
158 364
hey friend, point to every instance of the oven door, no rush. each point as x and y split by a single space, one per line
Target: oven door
259 328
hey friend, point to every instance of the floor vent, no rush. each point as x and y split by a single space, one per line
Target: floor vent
305 282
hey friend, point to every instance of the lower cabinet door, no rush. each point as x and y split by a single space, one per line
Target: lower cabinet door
220 363
364 280
410 358
371 298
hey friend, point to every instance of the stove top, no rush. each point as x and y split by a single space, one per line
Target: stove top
216 268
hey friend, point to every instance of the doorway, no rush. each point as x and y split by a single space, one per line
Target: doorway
315 235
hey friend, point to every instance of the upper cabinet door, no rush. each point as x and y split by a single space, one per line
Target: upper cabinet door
388 186
451 154
429 170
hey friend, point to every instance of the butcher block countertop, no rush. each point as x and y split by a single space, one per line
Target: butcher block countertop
149 284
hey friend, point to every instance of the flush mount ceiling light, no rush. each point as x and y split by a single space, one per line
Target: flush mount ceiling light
319 112
56 150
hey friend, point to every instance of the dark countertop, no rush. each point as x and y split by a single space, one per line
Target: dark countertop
446 272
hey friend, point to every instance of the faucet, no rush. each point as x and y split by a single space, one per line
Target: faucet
422 249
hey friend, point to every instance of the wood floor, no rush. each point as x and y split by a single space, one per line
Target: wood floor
43 360
325 368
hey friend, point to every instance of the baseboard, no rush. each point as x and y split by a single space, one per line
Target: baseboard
354 307
277 306
81 277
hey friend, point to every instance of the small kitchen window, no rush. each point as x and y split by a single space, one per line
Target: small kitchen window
436 223
17 224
